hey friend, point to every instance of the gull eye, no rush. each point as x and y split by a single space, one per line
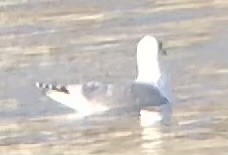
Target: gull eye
160 45
160 48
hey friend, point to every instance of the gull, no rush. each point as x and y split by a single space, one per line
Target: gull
149 94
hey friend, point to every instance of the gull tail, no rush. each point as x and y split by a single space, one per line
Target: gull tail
59 88
70 96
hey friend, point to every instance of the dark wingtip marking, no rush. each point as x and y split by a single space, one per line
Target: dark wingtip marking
60 88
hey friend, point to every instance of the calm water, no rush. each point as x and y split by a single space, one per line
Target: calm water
73 41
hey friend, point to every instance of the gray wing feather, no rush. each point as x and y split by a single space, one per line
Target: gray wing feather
147 95
125 95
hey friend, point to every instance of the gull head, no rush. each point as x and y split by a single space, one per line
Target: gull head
148 49
150 45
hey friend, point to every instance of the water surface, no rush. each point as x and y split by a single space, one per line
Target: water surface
76 41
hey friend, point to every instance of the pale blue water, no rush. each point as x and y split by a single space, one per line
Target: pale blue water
75 41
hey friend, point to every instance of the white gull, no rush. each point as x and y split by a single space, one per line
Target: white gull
150 89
